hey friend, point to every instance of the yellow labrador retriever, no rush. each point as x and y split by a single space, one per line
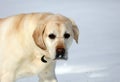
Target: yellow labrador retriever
31 43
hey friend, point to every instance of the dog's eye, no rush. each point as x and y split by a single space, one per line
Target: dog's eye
52 36
66 35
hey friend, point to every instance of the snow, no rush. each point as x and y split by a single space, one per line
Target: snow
97 56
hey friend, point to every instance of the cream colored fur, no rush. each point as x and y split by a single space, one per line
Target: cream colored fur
21 45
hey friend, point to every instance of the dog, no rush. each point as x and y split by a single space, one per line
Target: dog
31 43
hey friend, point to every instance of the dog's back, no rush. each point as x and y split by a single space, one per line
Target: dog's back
16 39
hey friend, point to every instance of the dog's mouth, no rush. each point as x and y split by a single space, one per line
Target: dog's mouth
61 57
61 54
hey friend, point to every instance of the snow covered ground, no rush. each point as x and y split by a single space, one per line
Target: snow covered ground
97 56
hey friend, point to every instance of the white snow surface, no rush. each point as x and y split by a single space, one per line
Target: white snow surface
97 56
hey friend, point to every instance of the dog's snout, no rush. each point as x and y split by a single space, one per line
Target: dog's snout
60 53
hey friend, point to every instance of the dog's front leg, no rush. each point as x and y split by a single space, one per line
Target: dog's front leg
48 74
8 77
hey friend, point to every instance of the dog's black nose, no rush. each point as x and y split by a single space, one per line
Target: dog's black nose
60 53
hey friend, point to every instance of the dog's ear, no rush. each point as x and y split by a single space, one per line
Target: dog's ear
75 31
38 36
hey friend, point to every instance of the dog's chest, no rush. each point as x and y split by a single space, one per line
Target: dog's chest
29 68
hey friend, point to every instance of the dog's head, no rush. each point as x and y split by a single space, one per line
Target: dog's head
56 36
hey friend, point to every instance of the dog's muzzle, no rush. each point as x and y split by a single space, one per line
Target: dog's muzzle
60 54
